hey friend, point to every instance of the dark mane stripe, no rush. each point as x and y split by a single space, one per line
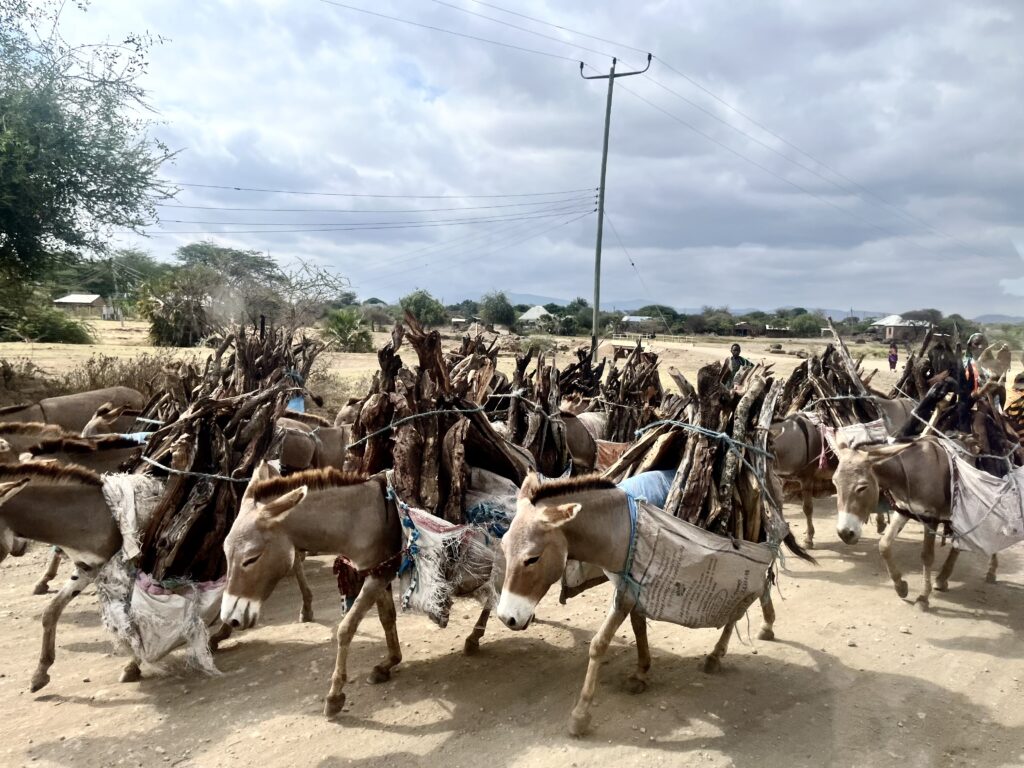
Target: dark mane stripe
308 418
314 479
29 428
570 485
83 444
48 472
14 408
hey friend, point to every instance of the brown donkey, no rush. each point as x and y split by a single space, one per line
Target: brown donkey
326 511
62 506
586 519
916 475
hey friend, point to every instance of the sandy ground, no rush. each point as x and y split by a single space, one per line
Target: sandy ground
857 676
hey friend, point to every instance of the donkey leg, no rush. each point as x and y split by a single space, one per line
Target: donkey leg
942 580
389 620
885 549
713 661
990 575
78 581
580 718
473 641
807 499
306 613
927 560
43 585
346 629
768 613
131 672
637 682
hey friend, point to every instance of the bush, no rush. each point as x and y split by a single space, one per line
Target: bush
35 321
496 309
344 327
425 308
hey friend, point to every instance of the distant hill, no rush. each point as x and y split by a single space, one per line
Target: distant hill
995 319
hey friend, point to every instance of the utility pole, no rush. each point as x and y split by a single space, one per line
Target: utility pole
600 193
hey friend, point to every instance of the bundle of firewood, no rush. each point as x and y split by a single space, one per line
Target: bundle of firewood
225 427
582 378
425 422
631 395
716 484
826 383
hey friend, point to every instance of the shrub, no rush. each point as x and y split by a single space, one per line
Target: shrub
38 322
344 326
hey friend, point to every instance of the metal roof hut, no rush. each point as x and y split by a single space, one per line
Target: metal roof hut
87 304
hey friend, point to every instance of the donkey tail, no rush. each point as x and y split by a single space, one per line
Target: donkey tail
797 550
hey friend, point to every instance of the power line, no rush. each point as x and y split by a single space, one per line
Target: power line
640 277
352 228
448 31
371 210
770 172
857 188
517 216
234 188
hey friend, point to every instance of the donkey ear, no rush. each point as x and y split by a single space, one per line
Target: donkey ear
115 412
553 517
275 511
530 485
7 490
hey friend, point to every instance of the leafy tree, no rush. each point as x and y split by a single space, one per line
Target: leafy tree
377 315
467 308
520 308
75 157
932 316
424 307
555 309
658 311
567 326
375 300
807 324
496 309
577 304
346 328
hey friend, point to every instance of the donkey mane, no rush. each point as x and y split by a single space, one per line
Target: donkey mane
48 472
83 444
28 427
567 485
308 418
314 479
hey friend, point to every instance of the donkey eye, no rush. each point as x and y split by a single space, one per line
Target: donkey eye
250 560
531 560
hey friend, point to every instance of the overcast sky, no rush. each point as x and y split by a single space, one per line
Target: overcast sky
917 104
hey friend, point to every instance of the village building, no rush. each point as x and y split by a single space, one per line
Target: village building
84 305
534 316
896 328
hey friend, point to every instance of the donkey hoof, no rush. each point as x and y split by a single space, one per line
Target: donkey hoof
471 647
306 615
20 547
333 705
635 684
990 578
379 675
130 674
942 586
808 543
41 588
39 680
712 665
766 633
579 724
902 589
921 604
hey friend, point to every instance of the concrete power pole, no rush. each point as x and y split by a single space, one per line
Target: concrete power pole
610 77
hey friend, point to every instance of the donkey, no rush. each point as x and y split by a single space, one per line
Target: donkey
22 435
101 454
802 455
62 506
73 412
326 511
916 475
586 519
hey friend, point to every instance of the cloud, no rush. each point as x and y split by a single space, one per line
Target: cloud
916 105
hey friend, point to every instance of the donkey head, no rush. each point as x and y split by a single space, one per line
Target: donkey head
258 551
536 550
7 454
856 491
102 422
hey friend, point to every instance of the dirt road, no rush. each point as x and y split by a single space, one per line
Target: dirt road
858 677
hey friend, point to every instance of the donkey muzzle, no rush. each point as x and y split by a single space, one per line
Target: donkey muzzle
515 611
239 612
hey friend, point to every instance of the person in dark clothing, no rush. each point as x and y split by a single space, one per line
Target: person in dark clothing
894 356
734 362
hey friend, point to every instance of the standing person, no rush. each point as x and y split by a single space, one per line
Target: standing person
734 362
894 356
1015 406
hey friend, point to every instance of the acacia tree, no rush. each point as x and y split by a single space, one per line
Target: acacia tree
496 309
424 307
75 157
